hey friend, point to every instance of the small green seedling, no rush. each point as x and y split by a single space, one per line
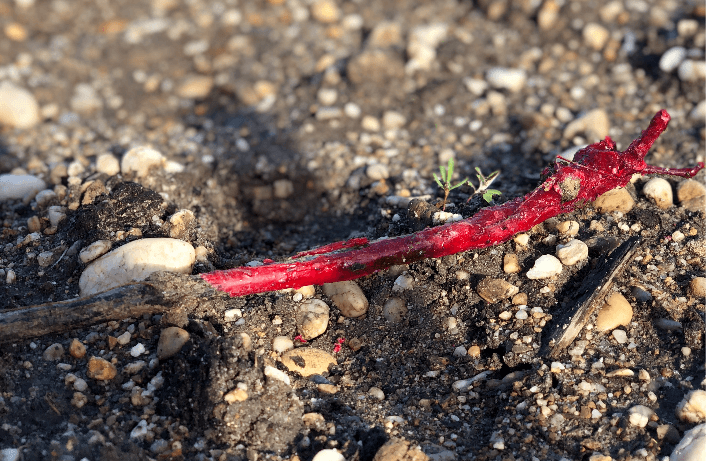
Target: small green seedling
444 181
484 183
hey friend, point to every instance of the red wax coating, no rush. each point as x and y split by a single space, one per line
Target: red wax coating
595 170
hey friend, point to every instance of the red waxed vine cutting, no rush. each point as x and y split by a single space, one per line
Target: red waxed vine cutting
595 170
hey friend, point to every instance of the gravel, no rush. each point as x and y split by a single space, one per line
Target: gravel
250 131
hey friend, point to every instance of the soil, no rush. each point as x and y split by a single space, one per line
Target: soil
262 123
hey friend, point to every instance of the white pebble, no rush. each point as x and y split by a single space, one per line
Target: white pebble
692 408
56 214
671 58
107 164
403 282
137 350
545 267
692 446
460 351
18 107
232 314
659 191
620 336
640 415
572 252
135 261
352 110
329 454
282 344
506 78
45 197
20 186
140 160
94 250
393 120
376 393
10 454
377 171
348 297
279 375
692 71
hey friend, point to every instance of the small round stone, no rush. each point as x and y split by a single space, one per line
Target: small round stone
328 454
615 312
545 267
282 344
614 200
506 78
376 393
312 317
171 340
659 191
697 287
640 415
595 35
395 310
100 369
572 252
511 264
347 297
692 408
671 58
53 353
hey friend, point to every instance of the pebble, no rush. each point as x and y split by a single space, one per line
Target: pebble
20 186
94 250
325 11
76 349
100 369
308 361
460 351
377 171
659 191
376 393
236 395
195 87
692 408
595 124
370 123
521 239
395 310
135 261
621 337
107 164
45 197
495 290
548 14
393 120
692 446
10 454
231 315
85 99
347 297
614 200
511 264
692 71
506 78
53 353
671 58
140 160
667 324
282 344
312 317
421 47
137 350
692 195
171 340
545 267
18 107
595 35
697 287
572 252
615 312
640 415
279 375
443 217
385 34
399 449
328 454
352 110
568 228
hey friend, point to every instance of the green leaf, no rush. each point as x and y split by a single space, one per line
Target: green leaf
488 194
